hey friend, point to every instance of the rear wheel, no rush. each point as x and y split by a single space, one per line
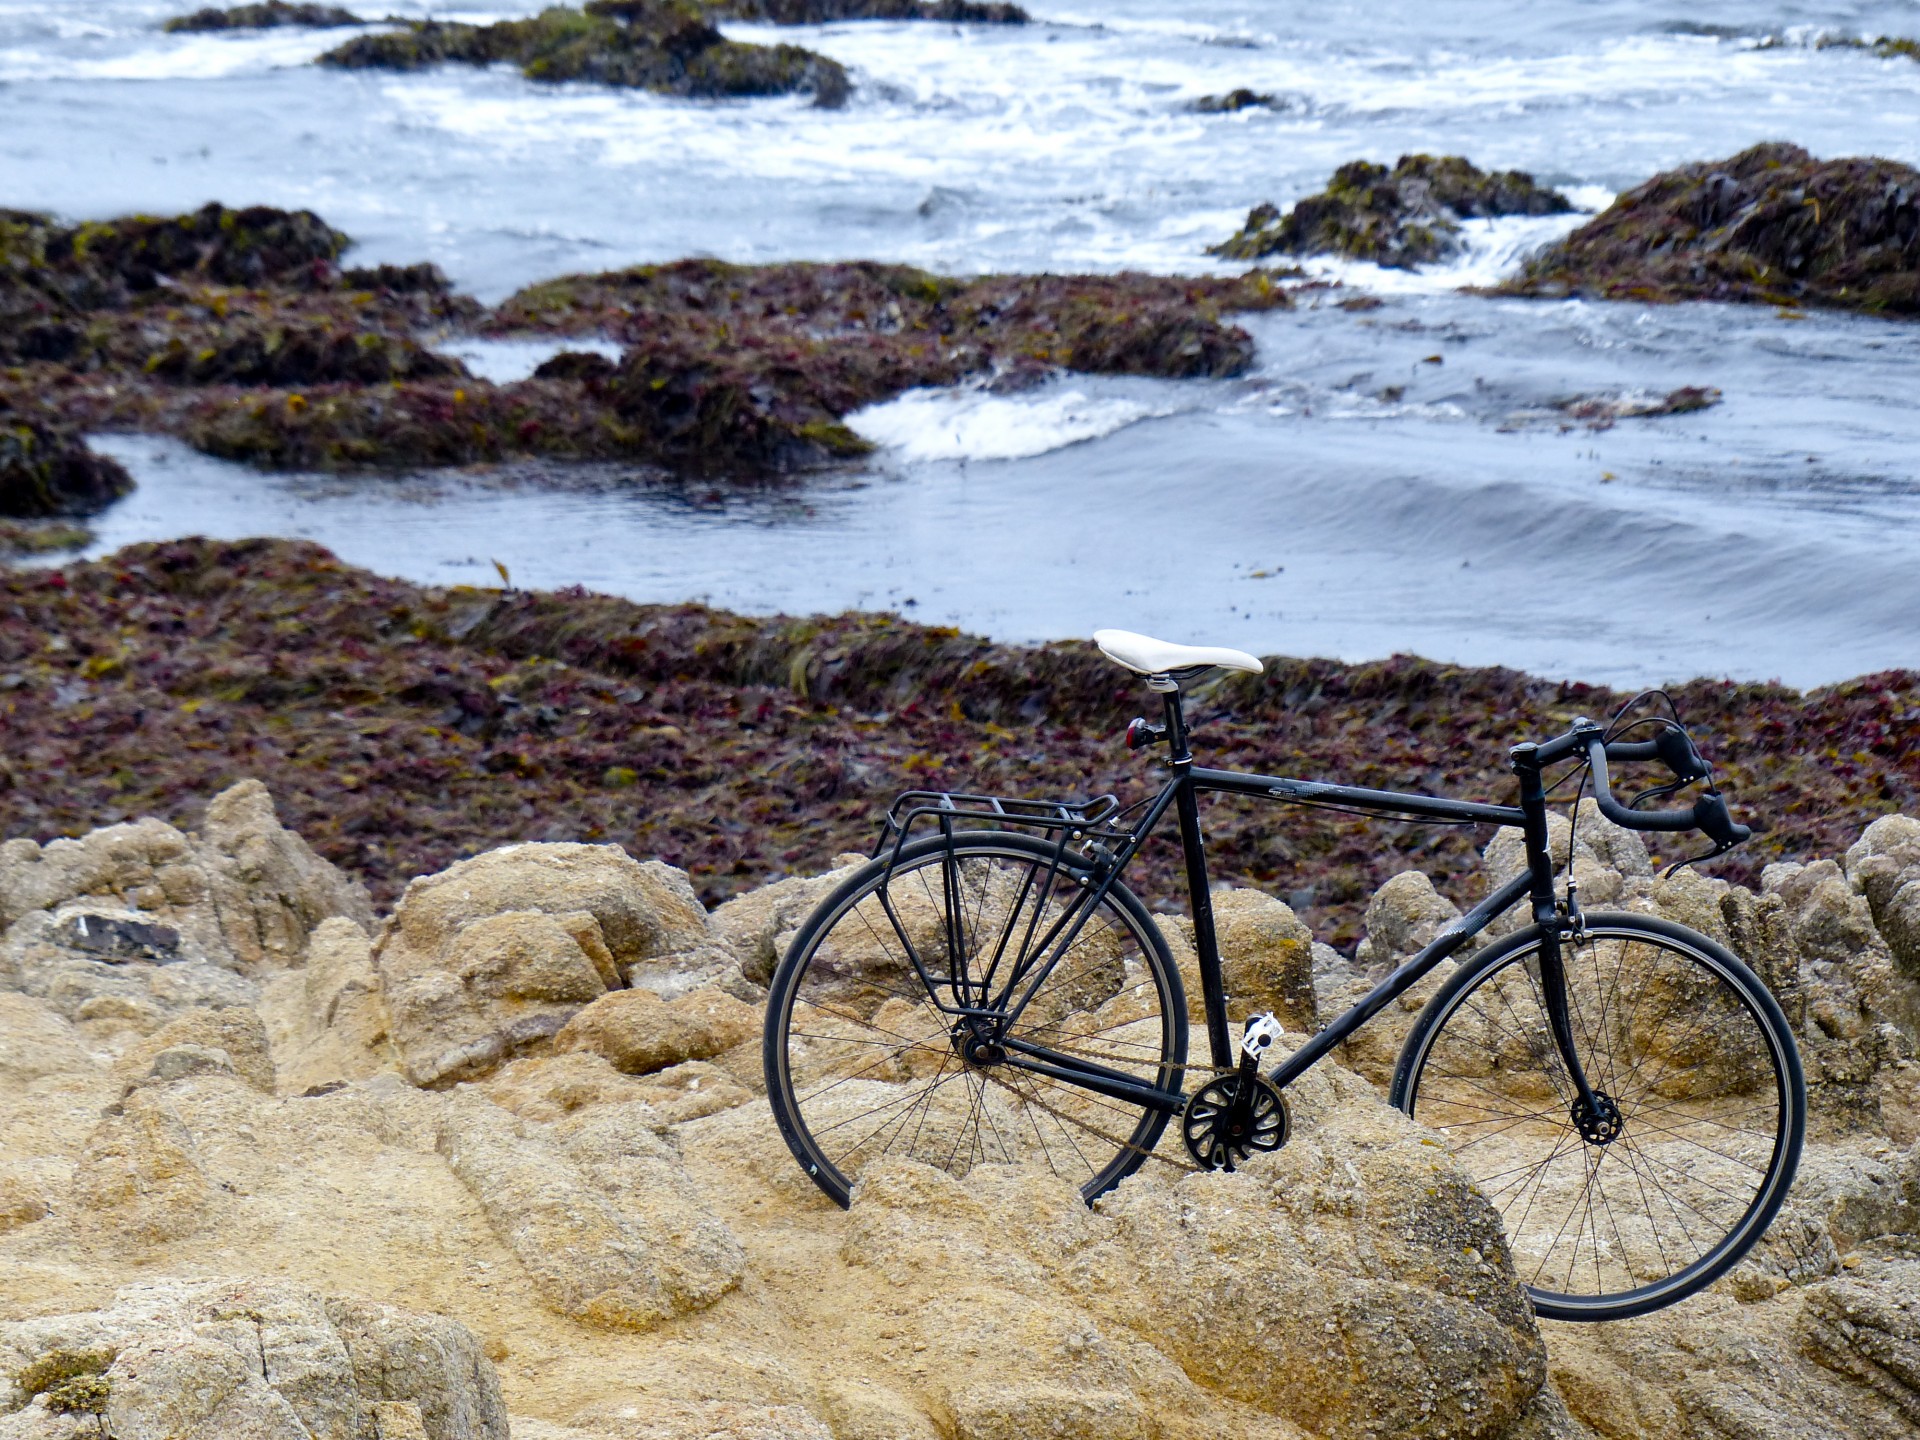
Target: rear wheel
1700 1117
867 1054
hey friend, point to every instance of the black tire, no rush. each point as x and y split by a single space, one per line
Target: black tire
860 1063
1693 1050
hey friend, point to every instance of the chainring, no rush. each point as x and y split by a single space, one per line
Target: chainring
1208 1126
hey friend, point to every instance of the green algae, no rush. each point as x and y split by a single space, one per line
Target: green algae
1399 218
1771 225
271 14
667 46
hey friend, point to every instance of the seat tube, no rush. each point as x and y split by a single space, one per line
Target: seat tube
1525 761
1206 945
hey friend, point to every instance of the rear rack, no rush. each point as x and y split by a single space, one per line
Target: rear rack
1070 818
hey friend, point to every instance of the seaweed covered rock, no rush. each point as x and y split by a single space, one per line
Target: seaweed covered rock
103 262
41 538
1399 218
1771 225
735 370
821 12
47 470
667 46
271 15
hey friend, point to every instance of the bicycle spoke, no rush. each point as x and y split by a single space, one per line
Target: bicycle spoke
1692 1067
870 1058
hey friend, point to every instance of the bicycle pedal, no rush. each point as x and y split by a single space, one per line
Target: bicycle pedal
1259 1036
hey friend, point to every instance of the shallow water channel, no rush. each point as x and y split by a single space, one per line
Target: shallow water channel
1392 479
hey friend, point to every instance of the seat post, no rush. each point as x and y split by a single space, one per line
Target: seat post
1177 752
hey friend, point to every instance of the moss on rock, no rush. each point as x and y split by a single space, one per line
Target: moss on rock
1770 225
49 1372
667 46
272 14
41 538
1403 217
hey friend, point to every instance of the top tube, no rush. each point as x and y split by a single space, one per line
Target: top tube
1425 807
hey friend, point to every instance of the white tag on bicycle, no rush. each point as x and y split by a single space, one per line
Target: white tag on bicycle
1261 1032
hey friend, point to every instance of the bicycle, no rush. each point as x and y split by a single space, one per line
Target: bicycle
1624 1090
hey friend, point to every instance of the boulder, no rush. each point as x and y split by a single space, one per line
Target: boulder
1368 1284
1884 865
1266 958
243 892
601 1213
1403 916
247 1360
136 922
493 956
752 925
638 1032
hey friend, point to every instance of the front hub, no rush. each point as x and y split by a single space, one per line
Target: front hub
1600 1123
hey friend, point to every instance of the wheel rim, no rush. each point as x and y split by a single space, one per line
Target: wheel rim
866 1065
1678 1168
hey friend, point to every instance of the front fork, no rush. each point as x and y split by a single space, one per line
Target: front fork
1588 1107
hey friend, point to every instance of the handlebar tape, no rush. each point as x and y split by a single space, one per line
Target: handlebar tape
1708 814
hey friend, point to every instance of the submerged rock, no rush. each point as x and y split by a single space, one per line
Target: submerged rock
1235 101
1398 218
666 46
1770 225
272 14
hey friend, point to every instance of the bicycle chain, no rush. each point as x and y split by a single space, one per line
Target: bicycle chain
1113 1140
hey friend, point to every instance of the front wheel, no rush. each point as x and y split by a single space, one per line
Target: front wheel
1703 1110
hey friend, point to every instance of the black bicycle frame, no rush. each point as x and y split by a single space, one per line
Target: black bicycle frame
1181 795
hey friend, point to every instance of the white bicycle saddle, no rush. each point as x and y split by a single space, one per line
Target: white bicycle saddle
1147 656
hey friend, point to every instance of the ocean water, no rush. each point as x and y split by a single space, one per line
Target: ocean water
1390 479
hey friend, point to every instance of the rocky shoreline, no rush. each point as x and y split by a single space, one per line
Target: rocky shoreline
495 1164
407 727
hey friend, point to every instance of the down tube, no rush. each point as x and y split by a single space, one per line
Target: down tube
1401 980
